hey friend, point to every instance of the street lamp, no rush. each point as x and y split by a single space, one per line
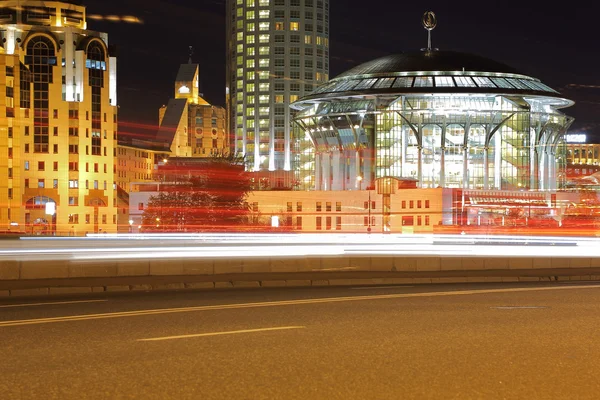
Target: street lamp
130 226
359 180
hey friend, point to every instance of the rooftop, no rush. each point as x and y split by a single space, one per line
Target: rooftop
428 61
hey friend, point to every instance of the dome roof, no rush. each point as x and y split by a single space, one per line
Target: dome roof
439 61
434 72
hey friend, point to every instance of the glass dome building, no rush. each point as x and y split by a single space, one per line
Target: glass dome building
431 119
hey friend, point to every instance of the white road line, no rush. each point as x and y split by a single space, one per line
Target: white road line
51 303
517 307
280 303
281 328
380 287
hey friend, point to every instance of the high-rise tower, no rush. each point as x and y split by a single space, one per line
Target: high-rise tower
277 51
57 122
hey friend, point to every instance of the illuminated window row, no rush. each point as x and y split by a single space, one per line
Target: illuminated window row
434 81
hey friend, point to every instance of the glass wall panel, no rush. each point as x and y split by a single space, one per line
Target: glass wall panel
453 155
432 142
475 156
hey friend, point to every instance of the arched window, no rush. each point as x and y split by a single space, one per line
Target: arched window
96 202
38 202
40 58
96 66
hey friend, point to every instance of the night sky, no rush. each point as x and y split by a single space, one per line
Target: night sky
559 45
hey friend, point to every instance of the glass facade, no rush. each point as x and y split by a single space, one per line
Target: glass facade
278 51
439 129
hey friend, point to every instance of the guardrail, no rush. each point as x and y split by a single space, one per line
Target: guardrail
159 263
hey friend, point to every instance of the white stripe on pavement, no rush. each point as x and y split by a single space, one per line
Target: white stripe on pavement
281 328
380 287
280 303
48 304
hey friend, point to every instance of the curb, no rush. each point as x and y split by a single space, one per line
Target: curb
250 281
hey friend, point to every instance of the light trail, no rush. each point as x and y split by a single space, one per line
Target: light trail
236 246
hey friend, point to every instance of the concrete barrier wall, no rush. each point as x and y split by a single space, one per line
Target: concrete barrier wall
65 269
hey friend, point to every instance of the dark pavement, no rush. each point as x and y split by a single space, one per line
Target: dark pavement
465 341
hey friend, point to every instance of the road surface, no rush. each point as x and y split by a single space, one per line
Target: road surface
463 341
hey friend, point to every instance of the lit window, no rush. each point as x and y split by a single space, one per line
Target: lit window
263 14
294 26
444 81
464 81
279 26
423 81
483 82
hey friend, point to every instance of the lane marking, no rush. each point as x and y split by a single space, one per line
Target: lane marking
281 328
87 317
518 307
52 303
380 287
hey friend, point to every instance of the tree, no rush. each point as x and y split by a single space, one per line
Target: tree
200 196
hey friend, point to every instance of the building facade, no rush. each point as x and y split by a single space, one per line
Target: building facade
58 128
583 159
188 125
438 118
277 52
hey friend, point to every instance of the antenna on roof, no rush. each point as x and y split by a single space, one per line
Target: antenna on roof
191 53
429 22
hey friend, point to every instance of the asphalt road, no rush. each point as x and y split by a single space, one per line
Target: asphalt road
477 341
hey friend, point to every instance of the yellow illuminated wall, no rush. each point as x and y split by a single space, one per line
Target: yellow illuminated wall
61 156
